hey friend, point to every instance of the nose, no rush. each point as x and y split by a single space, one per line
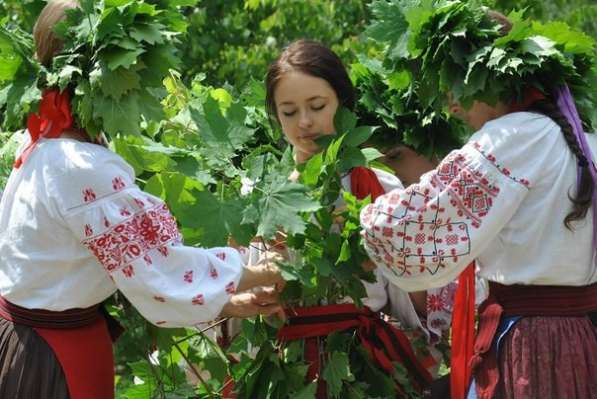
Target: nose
305 120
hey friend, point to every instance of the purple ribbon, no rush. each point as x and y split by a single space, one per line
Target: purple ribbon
566 105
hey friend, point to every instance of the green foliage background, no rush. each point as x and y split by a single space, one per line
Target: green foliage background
233 40
217 91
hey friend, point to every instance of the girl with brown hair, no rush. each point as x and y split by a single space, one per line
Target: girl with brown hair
305 86
518 199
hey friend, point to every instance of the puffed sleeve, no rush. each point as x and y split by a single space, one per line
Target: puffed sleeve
425 235
133 236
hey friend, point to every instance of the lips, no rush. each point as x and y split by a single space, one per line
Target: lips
310 136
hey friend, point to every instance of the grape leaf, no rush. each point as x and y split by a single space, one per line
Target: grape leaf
336 372
119 116
280 208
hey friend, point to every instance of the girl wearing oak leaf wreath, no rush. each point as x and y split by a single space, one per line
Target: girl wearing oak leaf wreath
305 86
74 228
519 199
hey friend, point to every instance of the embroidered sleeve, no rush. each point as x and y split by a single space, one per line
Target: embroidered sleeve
135 239
424 236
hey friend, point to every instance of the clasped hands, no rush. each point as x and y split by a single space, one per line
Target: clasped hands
258 290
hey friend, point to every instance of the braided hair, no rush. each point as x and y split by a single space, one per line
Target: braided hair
583 199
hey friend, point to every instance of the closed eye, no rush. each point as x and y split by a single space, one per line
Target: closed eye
318 108
290 113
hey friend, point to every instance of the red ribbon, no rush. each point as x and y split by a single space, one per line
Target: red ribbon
385 343
530 96
364 182
53 119
463 333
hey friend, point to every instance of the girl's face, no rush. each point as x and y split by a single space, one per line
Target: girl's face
408 164
305 106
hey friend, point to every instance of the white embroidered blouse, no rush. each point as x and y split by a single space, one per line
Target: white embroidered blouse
500 200
383 292
74 227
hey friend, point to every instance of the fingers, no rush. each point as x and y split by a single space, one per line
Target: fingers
265 296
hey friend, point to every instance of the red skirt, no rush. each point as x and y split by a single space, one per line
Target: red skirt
549 358
81 346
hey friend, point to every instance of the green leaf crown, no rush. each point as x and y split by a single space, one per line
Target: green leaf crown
115 56
457 47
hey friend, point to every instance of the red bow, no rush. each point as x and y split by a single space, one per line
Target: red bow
53 119
364 182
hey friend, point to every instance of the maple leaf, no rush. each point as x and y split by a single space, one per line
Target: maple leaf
280 206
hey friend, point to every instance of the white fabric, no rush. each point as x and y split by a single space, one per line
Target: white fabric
501 200
74 227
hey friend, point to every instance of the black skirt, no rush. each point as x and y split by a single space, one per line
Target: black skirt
28 367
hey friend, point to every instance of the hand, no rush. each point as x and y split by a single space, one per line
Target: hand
264 273
337 214
262 301
368 265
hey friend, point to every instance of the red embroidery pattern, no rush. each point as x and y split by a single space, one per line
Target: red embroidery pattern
148 260
188 276
213 272
505 171
128 271
230 288
423 236
435 303
164 251
88 195
118 183
133 238
221 255
106 222
139 203
198 300
88 231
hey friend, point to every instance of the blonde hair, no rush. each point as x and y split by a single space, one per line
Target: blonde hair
47 44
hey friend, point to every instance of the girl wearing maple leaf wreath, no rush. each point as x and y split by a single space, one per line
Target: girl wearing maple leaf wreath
74 228
519 199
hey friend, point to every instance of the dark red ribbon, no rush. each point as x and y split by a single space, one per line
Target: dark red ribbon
385 343
53 118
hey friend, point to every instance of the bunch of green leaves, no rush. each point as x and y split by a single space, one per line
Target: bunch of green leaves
279 370
456 47
387 97
326 268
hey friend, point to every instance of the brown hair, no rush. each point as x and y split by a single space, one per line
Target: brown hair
47 44
311 58
584 195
